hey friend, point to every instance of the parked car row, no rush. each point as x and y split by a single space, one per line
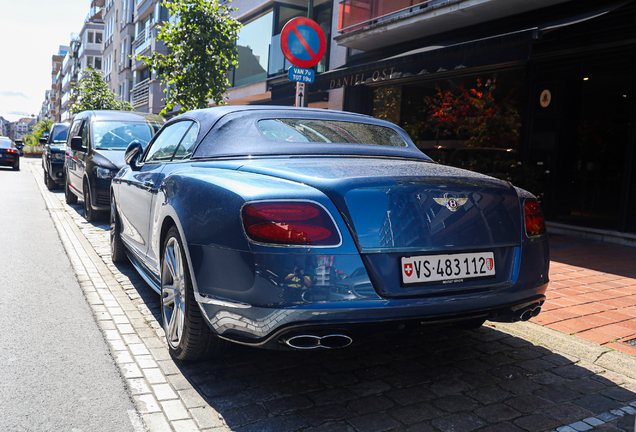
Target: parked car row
295 228
54 155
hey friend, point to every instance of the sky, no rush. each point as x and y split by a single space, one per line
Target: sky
30 33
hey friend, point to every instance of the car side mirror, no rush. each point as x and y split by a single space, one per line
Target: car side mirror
44 139
76 143
132 155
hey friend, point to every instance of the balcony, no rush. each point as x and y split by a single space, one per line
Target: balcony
142 41
140 93
67 81
356 14
372 24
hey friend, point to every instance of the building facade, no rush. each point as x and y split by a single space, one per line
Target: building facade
147 90
119 34
23 127
539 93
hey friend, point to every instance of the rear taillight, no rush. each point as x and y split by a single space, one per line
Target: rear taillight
11 151
296 223
535 224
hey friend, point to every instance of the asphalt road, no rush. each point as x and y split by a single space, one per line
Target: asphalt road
56 372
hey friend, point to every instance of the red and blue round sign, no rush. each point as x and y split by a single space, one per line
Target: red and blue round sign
303 42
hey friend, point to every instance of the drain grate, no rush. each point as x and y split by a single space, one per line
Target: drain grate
631 342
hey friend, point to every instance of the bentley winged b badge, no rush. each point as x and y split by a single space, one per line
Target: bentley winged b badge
451 203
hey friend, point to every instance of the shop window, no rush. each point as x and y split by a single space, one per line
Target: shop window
253 50
472 121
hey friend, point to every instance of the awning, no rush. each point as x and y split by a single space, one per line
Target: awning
503 49
495 50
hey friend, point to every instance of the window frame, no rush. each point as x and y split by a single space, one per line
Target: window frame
144 158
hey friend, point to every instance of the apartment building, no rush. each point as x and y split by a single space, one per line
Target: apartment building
119 34
23 127
5 127
147 91
83 51
44 109
56 67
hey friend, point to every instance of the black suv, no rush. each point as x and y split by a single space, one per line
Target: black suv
97 141
53 155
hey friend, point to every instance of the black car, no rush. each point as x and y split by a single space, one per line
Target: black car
19 145
9 154
53 155
97 141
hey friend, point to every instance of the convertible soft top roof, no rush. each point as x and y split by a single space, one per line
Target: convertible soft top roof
232 131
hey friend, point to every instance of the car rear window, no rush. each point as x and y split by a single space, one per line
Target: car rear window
5 143
329 131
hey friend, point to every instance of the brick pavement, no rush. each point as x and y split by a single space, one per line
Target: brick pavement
592 293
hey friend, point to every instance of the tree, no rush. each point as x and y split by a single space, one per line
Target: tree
201 39
39 129
93 93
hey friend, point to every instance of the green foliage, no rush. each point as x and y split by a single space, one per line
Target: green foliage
93 93
33 138
201 39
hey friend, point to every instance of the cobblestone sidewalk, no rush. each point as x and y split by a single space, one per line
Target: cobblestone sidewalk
518 377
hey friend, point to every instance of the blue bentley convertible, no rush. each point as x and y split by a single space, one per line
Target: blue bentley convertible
297 228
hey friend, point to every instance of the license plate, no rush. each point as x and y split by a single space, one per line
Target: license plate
445 269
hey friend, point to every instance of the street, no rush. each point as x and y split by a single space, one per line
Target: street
57 371
502 377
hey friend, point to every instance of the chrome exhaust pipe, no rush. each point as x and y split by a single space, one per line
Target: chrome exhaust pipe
536 311
526 315
305 342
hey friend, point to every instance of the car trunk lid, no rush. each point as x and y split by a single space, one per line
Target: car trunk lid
400 209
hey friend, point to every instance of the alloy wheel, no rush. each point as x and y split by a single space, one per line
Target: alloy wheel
173 292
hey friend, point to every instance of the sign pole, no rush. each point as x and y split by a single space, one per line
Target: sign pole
300 94
310 15
303 43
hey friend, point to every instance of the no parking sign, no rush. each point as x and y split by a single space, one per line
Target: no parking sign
303 42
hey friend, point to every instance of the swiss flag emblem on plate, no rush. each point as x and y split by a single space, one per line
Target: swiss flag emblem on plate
408 269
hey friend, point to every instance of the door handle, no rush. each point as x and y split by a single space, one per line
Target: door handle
148 185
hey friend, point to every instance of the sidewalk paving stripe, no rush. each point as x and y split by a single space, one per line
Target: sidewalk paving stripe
96 279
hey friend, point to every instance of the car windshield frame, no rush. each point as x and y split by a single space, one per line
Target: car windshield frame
117 134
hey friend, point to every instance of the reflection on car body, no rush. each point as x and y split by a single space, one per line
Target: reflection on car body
288 228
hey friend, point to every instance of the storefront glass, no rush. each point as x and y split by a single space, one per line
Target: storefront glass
472 122
253 50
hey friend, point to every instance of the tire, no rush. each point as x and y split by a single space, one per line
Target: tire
16 166
117 250
89 214
49 182
70 197
189 337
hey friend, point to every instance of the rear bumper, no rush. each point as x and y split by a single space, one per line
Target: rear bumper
9 161
270 328
261 302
